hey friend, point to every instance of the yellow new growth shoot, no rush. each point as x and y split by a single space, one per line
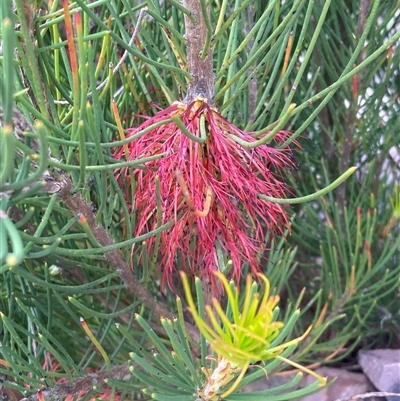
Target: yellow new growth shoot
243 338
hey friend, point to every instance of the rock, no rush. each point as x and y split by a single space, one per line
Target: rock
347 384
382 366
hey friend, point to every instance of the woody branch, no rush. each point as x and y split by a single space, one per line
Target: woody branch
199 53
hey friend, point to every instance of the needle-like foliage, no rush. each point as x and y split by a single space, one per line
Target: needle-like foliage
139 138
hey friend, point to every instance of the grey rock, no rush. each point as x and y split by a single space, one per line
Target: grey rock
347 384
382 366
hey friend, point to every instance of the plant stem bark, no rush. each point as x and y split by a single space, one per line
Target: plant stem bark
351 115
199 66
79 207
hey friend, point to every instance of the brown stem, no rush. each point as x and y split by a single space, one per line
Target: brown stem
365 6
346 153
253 83
201 68
352 112
79 207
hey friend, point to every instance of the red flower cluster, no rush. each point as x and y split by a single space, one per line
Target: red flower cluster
209 188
